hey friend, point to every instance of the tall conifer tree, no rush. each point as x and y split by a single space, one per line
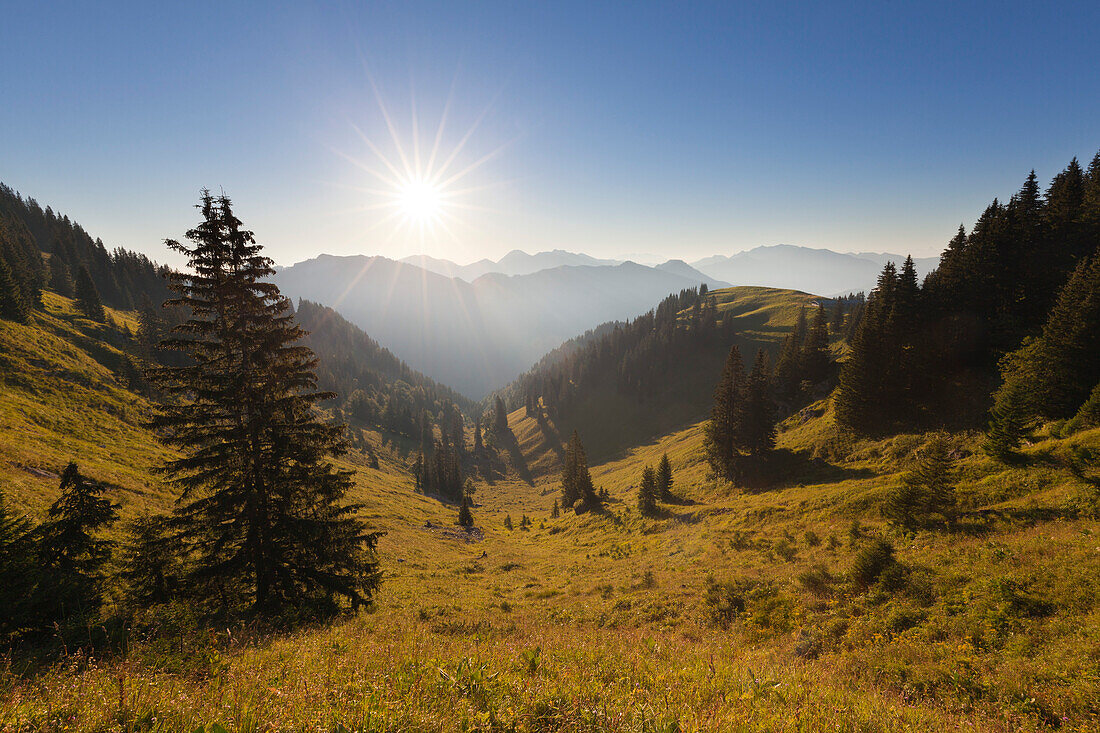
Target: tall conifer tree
262 508
726 415
13 307
647 492
87 297
73 554
757 433
664 479
576 482
815 353
17 571
61 279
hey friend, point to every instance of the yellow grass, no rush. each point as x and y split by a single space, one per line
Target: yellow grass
599 621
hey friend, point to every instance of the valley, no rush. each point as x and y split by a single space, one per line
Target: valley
495 367
611 620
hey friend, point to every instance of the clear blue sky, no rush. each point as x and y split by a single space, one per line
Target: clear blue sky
676 129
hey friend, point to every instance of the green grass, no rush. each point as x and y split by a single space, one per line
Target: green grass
61 401
993 627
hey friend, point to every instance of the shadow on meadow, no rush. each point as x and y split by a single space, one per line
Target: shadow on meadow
785 469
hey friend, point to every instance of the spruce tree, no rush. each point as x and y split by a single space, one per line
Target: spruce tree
815 358
500 416
757 429
555 511
87 297
61 279
262 508
664 479
1051 376
877 381
13 307
788 368
465 517
1089 414
926 491
724 427
1011 417
17 571
150 561
72 554
836 323
647 492
577 490
21 272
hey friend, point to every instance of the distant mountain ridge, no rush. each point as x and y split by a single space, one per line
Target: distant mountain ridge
817 271
516 262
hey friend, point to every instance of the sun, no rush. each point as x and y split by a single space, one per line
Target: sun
420 200
421 188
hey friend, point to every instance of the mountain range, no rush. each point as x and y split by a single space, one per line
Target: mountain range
478 336
817 271
477 326
516 262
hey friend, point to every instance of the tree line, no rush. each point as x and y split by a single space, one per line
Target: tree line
119 278
1008 321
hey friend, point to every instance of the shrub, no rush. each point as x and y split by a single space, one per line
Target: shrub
855 533
785 549
871 562
811 538
724 601
817 581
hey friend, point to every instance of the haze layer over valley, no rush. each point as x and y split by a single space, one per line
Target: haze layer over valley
478 336
476 327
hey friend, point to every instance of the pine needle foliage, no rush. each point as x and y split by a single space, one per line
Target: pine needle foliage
664 479
262 512
726 416
150 564
17 570
577 490
926 492
1053 375
87 297
647 492
465 516
741 429
73 555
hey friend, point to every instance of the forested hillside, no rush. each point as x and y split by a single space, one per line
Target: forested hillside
926 355
122 279
373 386
686 502
624 383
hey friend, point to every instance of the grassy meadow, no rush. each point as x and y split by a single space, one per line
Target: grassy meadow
733 610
